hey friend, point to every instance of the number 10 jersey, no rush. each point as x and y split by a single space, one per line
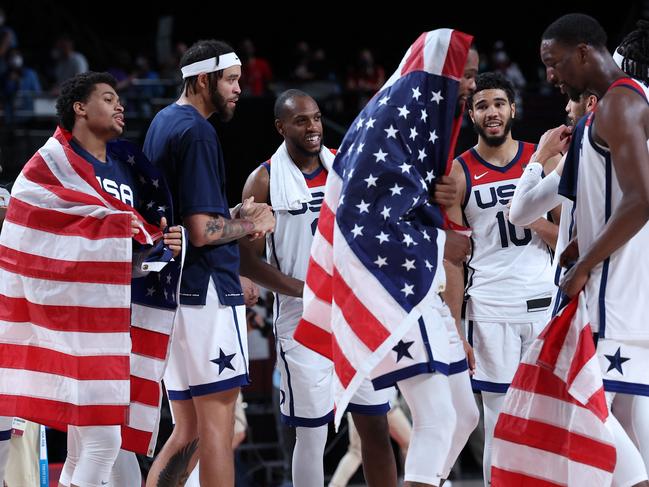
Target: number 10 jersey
510 268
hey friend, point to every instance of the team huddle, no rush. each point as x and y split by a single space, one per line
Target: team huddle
396 264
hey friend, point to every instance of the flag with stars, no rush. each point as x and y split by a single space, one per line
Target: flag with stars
551 428
80 342
376 258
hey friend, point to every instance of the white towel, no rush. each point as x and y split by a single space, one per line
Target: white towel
288 189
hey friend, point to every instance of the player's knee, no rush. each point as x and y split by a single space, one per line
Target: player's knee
442 414
101 447
468 418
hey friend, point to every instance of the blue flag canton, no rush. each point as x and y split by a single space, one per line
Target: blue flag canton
154 195
158 289
389 161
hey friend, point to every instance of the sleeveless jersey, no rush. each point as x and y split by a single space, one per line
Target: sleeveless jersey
288 248
615 287
510 268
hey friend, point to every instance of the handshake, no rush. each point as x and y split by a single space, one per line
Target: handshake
259 214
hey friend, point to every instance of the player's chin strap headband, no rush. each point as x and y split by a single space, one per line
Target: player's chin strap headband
618 58
210 65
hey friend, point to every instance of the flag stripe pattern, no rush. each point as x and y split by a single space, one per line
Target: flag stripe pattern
376 255
551 430
69 353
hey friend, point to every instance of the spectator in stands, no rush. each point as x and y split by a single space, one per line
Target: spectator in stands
302 67
146 85
13 40
121 69
256 73
365 77
5 46
68 62
503 64
20 86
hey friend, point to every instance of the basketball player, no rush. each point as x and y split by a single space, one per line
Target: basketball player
612 209
510 282
209 358
293 181
90 115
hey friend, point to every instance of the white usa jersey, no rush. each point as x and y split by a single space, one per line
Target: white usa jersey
510 268
615 288
288 248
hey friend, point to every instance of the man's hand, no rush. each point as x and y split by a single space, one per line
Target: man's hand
553 142
250 291
135 225
457 247
173 238
570 254
574 279
445 191
260 214
470 356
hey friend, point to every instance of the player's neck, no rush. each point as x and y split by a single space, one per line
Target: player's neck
498 156
89 141
198 102
307 163
609 73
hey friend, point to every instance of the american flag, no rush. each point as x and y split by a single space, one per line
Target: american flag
67 324
376 257
551 429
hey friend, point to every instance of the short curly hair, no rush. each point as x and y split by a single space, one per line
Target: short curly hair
78 88
493 81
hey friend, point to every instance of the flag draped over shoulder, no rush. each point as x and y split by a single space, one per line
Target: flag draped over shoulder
66 326
551 429
377 254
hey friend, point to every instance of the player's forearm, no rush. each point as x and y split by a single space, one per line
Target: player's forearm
454 293
534 197
270 277
548 231
216 230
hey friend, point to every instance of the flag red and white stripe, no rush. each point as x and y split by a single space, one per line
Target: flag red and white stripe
349 315
65 305
551 430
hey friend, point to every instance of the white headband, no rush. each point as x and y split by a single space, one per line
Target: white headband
210 65
618 58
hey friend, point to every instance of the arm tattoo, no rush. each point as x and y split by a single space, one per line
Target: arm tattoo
175 473
219 230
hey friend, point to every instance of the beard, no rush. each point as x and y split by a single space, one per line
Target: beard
494 140
221 109
308 152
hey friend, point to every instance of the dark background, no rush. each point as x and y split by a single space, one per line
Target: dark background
102 29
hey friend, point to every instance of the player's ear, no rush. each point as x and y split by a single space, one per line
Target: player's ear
79 108
513 110
279 126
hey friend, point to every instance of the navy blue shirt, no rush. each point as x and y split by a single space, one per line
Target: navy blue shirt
185 146
115 177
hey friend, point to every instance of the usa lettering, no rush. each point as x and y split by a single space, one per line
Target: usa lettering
122 192
488 197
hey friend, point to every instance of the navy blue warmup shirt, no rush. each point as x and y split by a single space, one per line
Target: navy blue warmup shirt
114 176
185 146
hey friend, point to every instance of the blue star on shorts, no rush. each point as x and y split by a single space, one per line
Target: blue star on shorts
224 361
616 361
402 349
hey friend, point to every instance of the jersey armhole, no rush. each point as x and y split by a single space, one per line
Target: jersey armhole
467 177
